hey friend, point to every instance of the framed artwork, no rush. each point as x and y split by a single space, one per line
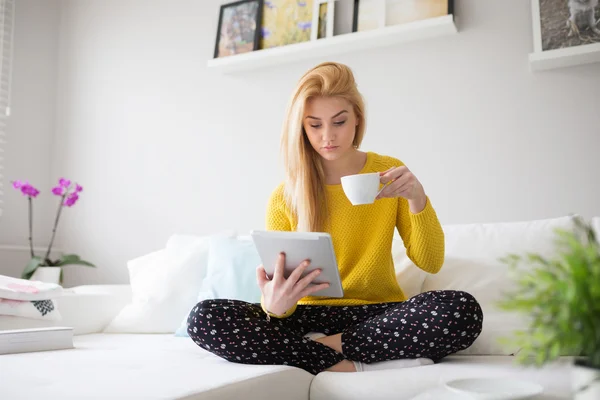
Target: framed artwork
238 30
375 14
559 24
371 15
345 16
404 11
323 19
286 22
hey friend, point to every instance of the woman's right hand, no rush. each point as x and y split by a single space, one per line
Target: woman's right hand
280 294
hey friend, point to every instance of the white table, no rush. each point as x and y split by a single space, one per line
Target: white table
441 393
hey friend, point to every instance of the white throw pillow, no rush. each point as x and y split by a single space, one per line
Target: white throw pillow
164 286
473 253
231 273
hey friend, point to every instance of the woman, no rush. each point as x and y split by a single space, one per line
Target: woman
374 322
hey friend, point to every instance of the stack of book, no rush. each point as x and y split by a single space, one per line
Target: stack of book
38 339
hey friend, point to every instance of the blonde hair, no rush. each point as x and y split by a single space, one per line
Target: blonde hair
305 182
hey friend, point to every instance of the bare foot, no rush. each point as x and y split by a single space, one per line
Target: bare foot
342 366
333 341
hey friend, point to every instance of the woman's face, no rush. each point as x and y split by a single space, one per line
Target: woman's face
330 123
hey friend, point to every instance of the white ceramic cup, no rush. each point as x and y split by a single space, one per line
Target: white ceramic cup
361 188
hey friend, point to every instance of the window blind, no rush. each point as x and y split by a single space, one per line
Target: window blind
7 14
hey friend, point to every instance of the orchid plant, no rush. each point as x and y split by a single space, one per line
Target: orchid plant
69 194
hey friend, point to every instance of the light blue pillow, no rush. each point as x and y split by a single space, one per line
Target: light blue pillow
230 273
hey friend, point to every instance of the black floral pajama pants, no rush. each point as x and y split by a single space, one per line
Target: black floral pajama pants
430 325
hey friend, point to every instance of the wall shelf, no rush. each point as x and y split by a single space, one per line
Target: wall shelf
559 58
350 42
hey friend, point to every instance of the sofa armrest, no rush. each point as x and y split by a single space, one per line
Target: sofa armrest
90 308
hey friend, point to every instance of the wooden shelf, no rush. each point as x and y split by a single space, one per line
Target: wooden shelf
559 58
346 43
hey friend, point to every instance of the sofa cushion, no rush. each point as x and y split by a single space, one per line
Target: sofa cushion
142 366
473 264
474 251
408 383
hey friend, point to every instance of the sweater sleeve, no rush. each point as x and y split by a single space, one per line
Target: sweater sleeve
422 235
284 315
278 216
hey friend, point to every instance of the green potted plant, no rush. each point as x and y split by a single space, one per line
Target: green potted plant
561 298
45 268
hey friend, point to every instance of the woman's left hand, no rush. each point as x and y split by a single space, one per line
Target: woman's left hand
401 182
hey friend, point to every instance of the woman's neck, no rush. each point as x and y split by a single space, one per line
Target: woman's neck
350 164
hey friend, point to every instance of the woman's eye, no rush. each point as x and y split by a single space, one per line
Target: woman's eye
339 123
315 126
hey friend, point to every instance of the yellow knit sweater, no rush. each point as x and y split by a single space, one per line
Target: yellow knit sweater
362 239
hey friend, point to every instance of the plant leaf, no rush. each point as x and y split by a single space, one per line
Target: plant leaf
32 265
67 258
82 262
73 261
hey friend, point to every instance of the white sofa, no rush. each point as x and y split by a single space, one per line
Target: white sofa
126 348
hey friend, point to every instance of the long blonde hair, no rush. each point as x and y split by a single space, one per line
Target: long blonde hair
305 181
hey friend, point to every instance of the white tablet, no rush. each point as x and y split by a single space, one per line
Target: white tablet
299 246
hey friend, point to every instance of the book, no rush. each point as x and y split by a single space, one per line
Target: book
36 339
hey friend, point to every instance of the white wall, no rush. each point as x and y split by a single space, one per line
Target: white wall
163 145
30 131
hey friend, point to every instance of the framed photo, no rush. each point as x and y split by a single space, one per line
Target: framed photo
375 14
238 30
559 24
323 19
371 15
345 18
399 12
286 22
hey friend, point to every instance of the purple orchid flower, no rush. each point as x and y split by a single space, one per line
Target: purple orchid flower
64 182
71 199
29 190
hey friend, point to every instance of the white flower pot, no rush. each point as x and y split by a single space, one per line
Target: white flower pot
586 382
47 274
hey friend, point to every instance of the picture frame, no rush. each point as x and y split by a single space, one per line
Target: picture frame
322 19
565 24
239 27
370 15
345 18
286 22
399 12
376 14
